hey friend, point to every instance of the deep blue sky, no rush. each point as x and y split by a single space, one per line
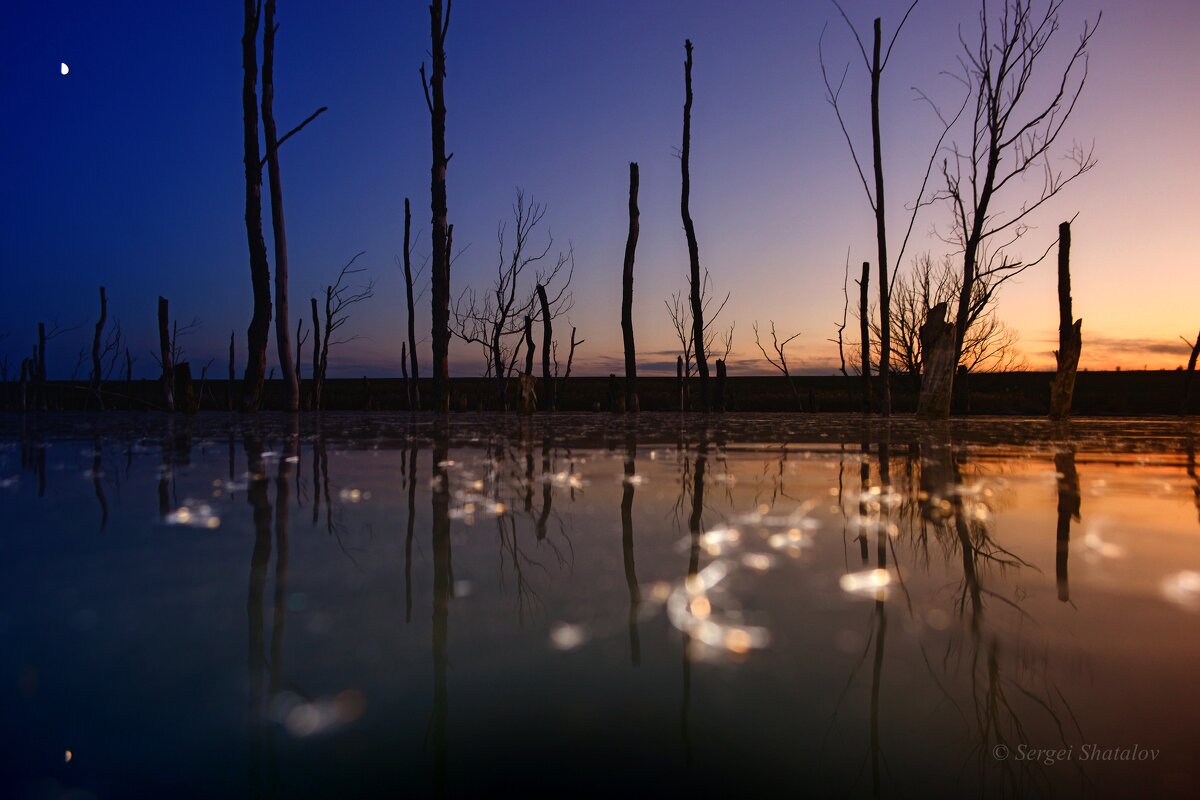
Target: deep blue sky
128 173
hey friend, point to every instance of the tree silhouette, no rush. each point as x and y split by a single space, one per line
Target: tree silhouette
435 100
697 305
1012 135
283 343
631 395
260 274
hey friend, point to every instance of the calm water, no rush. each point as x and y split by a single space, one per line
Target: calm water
592 605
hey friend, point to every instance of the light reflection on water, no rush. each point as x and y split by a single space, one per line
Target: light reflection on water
367 605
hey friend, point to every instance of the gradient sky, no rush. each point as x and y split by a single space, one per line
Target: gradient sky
128 171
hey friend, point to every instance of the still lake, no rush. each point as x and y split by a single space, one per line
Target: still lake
371 605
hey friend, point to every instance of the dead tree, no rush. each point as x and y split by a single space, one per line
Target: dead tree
779 360
96 348
259 331
492 321
414 394
1185 405
864 319
530 347
547 398
232 371
690 230
1012 135
875 65
561 380
315 392
283 344
435 100
631 395
164 350
680 312
339 298
841 332
1069 341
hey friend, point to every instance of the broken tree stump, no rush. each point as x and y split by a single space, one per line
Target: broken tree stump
937 367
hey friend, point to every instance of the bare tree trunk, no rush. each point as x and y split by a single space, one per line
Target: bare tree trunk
937 363
283 344
631 395
404 375
547 341
43 400
719 396
232 372
1185 406
1062 390
317 377
259 331
530 348
26 369
164 349
679 391
864 311
414 394
885 314
96 348
299 359
440 267
689 229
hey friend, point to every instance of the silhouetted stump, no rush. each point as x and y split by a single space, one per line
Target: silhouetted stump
719 393
527 388
614 393
937 379
679 382
1062 389
184 393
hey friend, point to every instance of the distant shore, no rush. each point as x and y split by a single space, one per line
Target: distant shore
1099 393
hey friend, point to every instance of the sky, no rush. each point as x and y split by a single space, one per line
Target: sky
127 172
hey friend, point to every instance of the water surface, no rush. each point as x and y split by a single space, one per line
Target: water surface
596 605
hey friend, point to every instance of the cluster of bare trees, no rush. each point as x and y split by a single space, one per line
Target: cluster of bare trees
1015 125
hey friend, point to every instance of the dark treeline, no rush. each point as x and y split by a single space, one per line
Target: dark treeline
1116 393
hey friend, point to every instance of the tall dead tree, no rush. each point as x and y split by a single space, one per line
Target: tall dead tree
96 348
631 394
690 230
1069 341
548 400
259 332
283 344
627 294
875 65
414 394
165 351
435 100
1012 136
315 391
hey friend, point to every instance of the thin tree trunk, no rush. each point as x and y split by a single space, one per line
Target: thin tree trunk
43 400
440 268
689 229
96 348
283 344
530 347
1062 390
299 359
885 317
317 377
404 374
547 337
259 332
232 373
679 383
414 394
865 334
631 394
164 349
